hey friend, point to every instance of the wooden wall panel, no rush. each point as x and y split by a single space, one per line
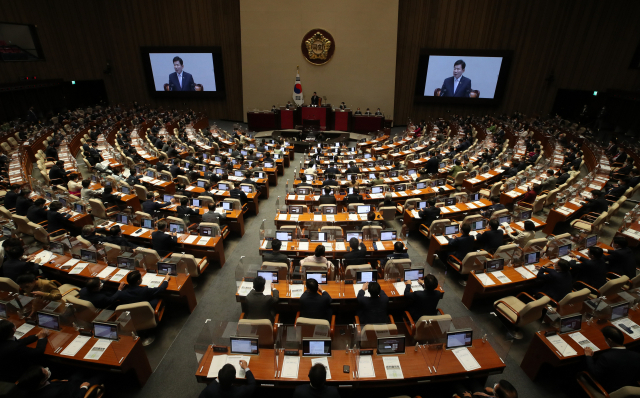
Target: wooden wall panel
78 37
586 44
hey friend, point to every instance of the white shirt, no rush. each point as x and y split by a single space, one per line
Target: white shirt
180 79
455 83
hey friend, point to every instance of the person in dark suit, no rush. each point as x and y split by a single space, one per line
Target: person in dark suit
616 367
150 206
52 152
358 112
36 384
23 203
432 164
343 106
373 309
332 170
89 233
315 99
314 305
456 85
57 221
259 306
11 197
634 177
618 191
108 198
621 260
176 170
564 175
184 210
38 212
619 157
357 253
491 240
115 237
398 252
134 293
354 197
92 292
331 180
134 178
327 198
550 183
556 281
462 245
223 386
424 302
212 216
316 388
16 354
172 152
274 255
238 193
180 80
598 204
592 271
57 172
353 169
430 213
162 242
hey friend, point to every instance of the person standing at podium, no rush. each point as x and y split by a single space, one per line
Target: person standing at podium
315 99
343 106
290 105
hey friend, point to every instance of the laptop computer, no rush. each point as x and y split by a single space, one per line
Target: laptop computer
459 338
391 345
314 347
570 323
244 345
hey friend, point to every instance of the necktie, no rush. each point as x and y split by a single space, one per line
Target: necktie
180 79
455 85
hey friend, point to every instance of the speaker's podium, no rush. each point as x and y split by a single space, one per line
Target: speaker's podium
343 119
317 113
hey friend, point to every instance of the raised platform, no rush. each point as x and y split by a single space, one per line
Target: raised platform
297 137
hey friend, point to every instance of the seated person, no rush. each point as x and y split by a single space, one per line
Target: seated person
89 233
109 199
311 169
238 193
57 221
354 197
388 200
13 266
212 216
134 293
549 184
619 190
462 245
115 237
372 309
92 292
43 288
36 384
23 203
621 260
38 212
258 305
163 243
317 256
371 220
16 353
531 194
274 255
502 389
592 271
491 240
327 198
85 192
352 169
184 210
556 280
357 253
150 206
223 385
316 388
430 213
614 368
456 169
331 180
424 302
398 252
314 305
522 237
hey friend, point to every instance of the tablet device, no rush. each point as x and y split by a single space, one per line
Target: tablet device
363 209
56 247
459 338
126 262
3 309
88 255
316 347
244 345
391 345
495 265
354 234
388 235
478 225
105 330
619 310
366 276
570 323
413 274
227 206
206 231
525 215
317 236
178 228
167 268
452 229
591 240
329 209
319 276
146 223
48 321
269 276
283 236
564 250
531 258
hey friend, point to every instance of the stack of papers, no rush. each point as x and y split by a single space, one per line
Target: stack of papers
365 367
75 346
106 272
485 280
564 210
471 205
152 280
98 349
340 246
357 287
563 349
442 240
22 330
204 240
392 367
190 239
290 366
524 273
303 245
78 268
119 275
466 359
295 291
632 233
245 288
629 327
444 210
583 341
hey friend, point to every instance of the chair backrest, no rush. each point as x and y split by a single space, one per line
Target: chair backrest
142 315
626 392
5 213
505 249
495 189
263 328
411 203
80 305
369 334
499 213
350 271
141 191
432 327
472 218
574 297
150 257
634 282
282 268
437 226
371 232
250 186
473 261
22 224
8 285
613 286
309 327
40 234
539 202
337 231
205 200
460 177
177 220
97 208
354 206
388 213
189 261
535 242
236 203
397 263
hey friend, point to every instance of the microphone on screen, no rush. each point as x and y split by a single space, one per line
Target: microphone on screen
193 86
171 86
443 92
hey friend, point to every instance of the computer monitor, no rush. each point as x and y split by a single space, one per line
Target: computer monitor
195 202
125 190
146 223
442 165
525 215
400 187
94 178
244 345
107 183
391 345
363 209
619 310
167 198
227 206
591 240
268 165
167 268
105 330
48 320
367 156
314 347
62 201
203 168
126 262
564 250
79 208
206 231
89 255
57 248
510 186
413 274
151 174
393 173
283 236
421 185
317 236
449 201
217 158
329 209
473 197
354 234
3 309
223 186
495 265
420 205
201 184
390 234
452 229
309 177
303 191
504 219
366 276
175 227
531 258
238 173
269 276
258 174
570 323
219 170
459 338
478 225
295 209
319 276
122 218
377 189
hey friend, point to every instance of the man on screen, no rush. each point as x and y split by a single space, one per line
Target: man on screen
180 80
457 85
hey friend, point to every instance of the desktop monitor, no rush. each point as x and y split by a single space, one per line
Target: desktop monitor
203 168
57 248
195 202
495 265
386 235
268 165
122 218
219 170
570 323
146 223
269 275
319 276
363 209
474 197
3 309
94 178
206 231
186 165
105 330
510 186
62 201
388 163
620 310
413 274
329 209
449 201
314 347
48 320
400 187
525 215
227 206
459 338
421 185
151 174
283 236
354 234
223 186
531 258
167 198
309 177
393 173
504 219
175 227
377 189
421 205
564 250
201 184
126 262
89 255
478 225
167 268
442 165
302 191
591 240
391 345
244 345
367 156
411 172
259 174
79 208
238 173
452 229
366 276
125 190
317 236
372 176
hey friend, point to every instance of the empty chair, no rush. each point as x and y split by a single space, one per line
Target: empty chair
428 327
262 328
150 258
8 285
368 334
194 266
98 209
595 390
612 286
144 316
282 268
539 242
590 223
311 327
518 313
436 227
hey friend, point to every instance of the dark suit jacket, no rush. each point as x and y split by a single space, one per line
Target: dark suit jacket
331 170
356 257
615 368
187 82
259 306
56 221
328 200
422 303
37 214
330 182
373 309
150 206
306 391
17 357
10 200
491 240
432 165
429 214
22 205
51 152
99 299
316 306
463 90
353 170
555 284
163 243
591 272
176 171
172 153
461 246
276 257
213 390
314 100
618 191
622 262
599 205
186 210
57 173
354 198
137 294
563 178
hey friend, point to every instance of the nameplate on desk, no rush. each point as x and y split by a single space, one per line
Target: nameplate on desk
219 348
292 352
297 282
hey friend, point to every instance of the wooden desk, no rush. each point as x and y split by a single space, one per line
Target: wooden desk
340 219
291 249
367 144
367 124
261 121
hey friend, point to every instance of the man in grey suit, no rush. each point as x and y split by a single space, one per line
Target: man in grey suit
259 306
551 181
212 216
275 256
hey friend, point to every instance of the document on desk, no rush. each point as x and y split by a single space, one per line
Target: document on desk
98 349
78 268
379 245
466 359
152 280
75 346
330 217
190 239
324 363
392 367
295 291
583 341
70 263
119 275
402 193
353 217
471 205
290 366
106 272
444 210
340 246
300 197
217 362
22 330
442 240
501 277
561 346
235 361
400 286
303 246
628 326
203 240
317 217
245 288
524 273
142 231
357 287
365 367
44 257
363 217
294 217
291 197
282 217
485 280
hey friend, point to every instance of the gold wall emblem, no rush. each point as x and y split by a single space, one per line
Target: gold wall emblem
318 46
